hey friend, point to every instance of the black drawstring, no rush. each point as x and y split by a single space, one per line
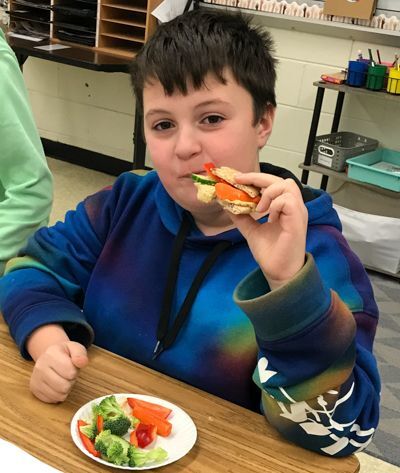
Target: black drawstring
165 337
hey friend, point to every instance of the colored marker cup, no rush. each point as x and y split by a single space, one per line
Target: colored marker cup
357 73
376 77
393 85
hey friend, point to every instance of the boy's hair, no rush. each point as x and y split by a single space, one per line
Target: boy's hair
184 50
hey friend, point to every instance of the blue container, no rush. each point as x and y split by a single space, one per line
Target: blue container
357 73
380 168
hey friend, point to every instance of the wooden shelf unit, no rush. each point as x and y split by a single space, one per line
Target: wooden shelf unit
117 27
122 26
31 18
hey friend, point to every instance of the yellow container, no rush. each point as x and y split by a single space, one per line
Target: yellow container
393 86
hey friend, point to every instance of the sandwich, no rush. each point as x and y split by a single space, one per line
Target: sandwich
219 184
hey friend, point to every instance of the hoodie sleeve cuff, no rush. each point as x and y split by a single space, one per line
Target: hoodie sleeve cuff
69 316
285 311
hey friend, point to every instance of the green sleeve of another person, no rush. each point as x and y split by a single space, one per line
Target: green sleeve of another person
26 188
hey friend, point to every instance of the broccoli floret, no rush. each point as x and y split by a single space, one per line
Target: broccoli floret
95 410
117 452
118 425
112 448
102 442
89 430
114 417
139 457
109 407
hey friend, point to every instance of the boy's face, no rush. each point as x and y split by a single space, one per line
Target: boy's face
212 124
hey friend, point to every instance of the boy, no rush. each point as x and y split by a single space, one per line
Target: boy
25 180
154 270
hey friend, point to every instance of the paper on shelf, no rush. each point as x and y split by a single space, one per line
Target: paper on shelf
52 47
169 9
22 461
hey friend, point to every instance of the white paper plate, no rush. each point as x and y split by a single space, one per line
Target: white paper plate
181 439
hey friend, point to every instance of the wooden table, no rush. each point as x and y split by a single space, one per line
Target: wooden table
230 438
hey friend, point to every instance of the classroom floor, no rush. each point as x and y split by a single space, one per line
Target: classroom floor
72 183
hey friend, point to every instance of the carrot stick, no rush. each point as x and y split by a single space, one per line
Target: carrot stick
156 409
133 439
147 417
99 423
228 192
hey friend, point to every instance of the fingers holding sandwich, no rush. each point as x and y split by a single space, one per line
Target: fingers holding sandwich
277 195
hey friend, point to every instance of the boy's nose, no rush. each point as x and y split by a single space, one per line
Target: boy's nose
187 144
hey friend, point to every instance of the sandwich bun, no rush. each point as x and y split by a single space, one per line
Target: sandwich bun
220 185
205 193
237 207
228 175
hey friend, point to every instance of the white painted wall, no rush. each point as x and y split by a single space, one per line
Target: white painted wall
88 109
96 110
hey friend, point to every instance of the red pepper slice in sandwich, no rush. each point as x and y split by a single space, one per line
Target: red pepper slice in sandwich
208 167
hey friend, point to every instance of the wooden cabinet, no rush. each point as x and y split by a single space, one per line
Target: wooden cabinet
118 27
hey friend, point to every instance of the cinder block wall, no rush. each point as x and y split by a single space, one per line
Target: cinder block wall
79 107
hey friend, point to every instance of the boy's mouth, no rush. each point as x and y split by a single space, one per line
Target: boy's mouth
199 173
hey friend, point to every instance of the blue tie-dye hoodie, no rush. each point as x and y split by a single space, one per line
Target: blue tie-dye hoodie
307 346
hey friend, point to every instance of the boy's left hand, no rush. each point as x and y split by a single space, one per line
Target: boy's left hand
278 245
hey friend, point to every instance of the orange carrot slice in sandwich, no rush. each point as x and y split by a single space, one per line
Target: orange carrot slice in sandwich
227 192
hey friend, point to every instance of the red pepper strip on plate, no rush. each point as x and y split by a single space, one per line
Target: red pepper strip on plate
147 417
156 409
100 423
145 434
88 444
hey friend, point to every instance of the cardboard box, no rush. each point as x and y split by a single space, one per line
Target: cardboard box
363 9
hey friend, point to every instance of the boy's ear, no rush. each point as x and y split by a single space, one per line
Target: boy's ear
265 125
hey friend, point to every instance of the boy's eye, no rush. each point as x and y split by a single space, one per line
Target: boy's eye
165 125
213 119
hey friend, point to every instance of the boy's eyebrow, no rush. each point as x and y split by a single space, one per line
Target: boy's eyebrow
155 111
212 102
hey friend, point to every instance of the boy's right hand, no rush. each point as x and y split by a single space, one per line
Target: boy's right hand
56 370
